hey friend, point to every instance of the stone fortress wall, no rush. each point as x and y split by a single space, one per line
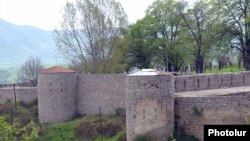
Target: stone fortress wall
211 81
100 91
24 94
193 112
152 102
57 97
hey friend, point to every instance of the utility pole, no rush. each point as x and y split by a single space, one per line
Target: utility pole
14 88
100 114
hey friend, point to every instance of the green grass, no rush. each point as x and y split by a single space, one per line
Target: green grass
61 131
226 69
115 138
71 130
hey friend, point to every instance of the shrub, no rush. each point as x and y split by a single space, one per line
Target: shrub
21 103
87 130
34 111
142 137
13 132
109 129
248 120
122 136
120 112
90 128
5 108
33 103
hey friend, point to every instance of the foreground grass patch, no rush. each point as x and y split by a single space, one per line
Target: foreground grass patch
88 128
60 131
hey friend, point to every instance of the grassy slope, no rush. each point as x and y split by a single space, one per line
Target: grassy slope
67 131
61 131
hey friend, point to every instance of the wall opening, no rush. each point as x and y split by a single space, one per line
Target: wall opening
198 83
143 113
243 79
155 113
231 80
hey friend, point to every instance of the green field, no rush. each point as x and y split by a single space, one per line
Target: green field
226 69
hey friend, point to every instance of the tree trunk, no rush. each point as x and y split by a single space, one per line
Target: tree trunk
239 64
210 66
246 57
199 64
247 60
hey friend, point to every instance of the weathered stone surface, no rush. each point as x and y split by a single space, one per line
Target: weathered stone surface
101 91
57 97
150 106
195 112
24 94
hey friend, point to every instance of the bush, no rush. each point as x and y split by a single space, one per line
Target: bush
90 128
143 137
28 105
33 103
5 108
248 120
14 132
120 112
87 130
109 129
34 111
21 103
122 136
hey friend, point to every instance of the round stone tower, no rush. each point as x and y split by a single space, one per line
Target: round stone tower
150 104
57 96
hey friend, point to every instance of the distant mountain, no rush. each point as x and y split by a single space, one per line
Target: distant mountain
17 43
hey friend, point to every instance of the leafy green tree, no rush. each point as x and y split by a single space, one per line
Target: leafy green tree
204 29
140 51
170 40
235 16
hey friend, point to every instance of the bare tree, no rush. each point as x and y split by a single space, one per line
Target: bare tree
28 72
88 32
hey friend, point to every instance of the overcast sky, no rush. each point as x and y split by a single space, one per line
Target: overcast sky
46 14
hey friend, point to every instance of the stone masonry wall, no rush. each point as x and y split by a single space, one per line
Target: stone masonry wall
104 91
24 94
194 112
211 81
150 106
57 99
